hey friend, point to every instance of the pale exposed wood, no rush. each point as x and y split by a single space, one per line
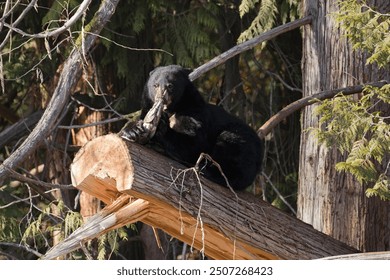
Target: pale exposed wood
235 225
89 204
109 218
125 210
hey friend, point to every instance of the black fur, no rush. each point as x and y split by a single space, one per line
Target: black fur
190 126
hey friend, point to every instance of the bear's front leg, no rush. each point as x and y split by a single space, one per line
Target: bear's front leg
184 124
137 133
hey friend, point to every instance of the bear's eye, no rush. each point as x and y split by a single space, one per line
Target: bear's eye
156 85
170 86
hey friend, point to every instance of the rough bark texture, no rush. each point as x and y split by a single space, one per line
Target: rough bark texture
226 225
335 203
68 79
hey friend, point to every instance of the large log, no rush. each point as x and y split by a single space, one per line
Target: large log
146 186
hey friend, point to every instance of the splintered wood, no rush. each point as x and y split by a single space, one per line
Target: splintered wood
138 184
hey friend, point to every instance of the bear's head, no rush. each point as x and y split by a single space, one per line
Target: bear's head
168 83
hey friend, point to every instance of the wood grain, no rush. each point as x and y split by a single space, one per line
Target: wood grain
212 218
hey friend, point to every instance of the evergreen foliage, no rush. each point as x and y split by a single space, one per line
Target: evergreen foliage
140 36
266 15
264 20
360 133
356 127
187 31
366 29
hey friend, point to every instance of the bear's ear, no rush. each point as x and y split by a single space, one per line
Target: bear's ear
187 71
154 70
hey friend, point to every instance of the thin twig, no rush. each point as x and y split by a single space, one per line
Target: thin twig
75 126
46 34
18 201
20 177
28 249
126 47
259 65
17 21
279 194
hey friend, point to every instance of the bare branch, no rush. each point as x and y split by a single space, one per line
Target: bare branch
69 77
17 21
19 129
80 11
7 12
36 253
279 194
130 48
75 126
308 100
248 45
18 201
26 179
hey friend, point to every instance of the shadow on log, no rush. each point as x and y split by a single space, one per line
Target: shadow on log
138 184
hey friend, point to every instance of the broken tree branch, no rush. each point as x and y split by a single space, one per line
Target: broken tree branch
226 225
67 80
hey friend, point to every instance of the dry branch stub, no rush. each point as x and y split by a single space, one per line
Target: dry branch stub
207 216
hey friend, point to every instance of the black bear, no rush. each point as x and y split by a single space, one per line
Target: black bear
189 126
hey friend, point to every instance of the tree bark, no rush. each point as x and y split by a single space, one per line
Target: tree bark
68 79
165 195
335 203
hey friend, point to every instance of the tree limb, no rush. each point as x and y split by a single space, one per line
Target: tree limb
385 255
19 129
25 179
308 100
68 79
36 253
218 60
17 21
80 11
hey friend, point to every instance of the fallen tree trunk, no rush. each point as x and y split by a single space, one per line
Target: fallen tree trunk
139 184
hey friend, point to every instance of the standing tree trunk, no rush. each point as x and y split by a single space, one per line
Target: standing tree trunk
232 90
334 202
